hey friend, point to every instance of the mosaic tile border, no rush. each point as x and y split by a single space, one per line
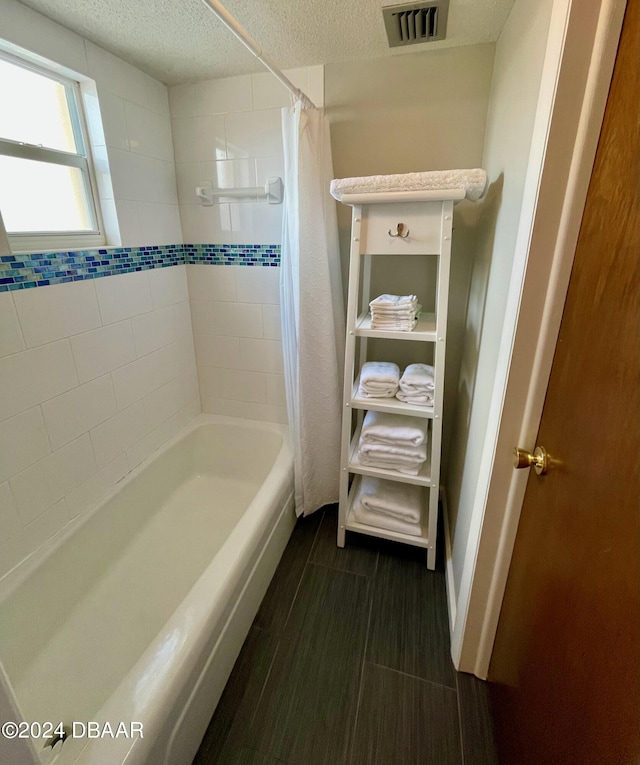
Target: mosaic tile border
18 272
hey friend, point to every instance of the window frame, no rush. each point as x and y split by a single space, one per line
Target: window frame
31 241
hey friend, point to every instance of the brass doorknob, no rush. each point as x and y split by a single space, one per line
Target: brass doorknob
539 460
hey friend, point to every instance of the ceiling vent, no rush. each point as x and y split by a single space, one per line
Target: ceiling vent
415 23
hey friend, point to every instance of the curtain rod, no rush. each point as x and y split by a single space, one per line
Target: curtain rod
227 19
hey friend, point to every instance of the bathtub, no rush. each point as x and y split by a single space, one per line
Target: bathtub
138 614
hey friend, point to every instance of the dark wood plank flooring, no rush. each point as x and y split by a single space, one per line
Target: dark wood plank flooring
347 663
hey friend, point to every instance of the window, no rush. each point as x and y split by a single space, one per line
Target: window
47 195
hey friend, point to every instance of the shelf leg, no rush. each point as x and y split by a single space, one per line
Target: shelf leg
431 558
341 536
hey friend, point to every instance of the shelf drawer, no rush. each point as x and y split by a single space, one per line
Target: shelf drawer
423 221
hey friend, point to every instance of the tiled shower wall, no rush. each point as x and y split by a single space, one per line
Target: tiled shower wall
228 132
95 375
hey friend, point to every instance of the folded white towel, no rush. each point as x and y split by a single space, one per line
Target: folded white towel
389 505
379 379
383 460
417 378
379 521
393 429
388 302
474 183
424 399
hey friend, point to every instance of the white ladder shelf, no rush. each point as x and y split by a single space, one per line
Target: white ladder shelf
428 217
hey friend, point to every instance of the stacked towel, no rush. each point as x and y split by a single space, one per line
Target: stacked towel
473 182
389 505
396 312
393 442
379 379
417 385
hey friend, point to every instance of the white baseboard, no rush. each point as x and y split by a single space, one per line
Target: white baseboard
451 586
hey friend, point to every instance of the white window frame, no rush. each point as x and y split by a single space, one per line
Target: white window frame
57 240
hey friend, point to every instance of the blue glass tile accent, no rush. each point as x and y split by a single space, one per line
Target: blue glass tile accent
41 269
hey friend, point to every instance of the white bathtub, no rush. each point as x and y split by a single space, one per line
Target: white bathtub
139 613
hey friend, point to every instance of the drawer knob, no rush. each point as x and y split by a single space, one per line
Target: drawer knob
399 230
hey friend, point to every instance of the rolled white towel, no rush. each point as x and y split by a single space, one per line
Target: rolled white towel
379 379
417 378
473 181
389 505
393 429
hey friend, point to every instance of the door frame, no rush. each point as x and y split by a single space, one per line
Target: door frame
578 65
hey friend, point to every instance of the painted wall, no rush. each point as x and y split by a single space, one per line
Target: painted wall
228 131
96 373
399 114
514 97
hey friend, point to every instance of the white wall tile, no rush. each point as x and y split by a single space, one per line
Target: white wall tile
218 351
235 384
92 113
149 133
103 175
168 286
199 139
182 100
103 350
271 322
97 487
165 401
124 295
118 433
157 97
117 75
114 122
265 413
256 222
158 436
269 92
50 313
128 223
166 179
229 408
207 224
258 285
23 441
77 411
9 519
159 223
133 176
315 84
154 330
35 32
231 173
31 377
182 321
230 94
261 355
269 167
188 176
11 340
251 136
136 380
212 282
276 393
48 481
230 319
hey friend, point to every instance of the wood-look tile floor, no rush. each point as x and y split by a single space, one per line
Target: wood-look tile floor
347 663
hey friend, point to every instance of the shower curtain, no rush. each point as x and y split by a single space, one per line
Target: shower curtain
312 309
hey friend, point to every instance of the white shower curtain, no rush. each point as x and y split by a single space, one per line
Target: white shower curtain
312 310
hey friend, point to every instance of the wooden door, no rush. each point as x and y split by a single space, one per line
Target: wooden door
564 677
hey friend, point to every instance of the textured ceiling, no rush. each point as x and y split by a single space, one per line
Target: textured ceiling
181 40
